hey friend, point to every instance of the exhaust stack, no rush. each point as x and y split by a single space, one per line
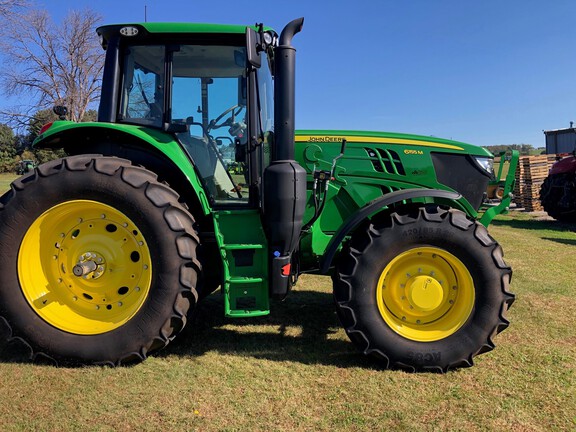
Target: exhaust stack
284 92
284 179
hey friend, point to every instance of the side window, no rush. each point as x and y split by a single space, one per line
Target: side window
209 95
142 99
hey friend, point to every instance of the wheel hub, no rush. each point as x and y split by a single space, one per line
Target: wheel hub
425 293
90 265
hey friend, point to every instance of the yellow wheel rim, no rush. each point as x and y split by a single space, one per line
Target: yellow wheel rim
425 294
84 267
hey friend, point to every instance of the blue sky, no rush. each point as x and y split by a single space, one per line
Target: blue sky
486 72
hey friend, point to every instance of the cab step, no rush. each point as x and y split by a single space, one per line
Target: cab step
243 252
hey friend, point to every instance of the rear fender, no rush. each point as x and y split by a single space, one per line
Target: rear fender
155 150
374 207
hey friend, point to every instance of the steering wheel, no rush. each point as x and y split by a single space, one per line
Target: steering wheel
235 110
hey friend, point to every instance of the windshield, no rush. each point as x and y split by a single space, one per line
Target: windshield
208 93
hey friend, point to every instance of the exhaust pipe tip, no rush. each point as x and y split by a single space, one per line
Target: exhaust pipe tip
293 27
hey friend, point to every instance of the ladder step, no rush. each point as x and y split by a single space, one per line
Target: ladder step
246 313
242 246
243 280
245 297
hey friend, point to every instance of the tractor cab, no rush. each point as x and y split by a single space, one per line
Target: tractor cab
204 91
210 88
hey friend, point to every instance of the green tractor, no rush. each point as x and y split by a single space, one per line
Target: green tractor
25 166
118 242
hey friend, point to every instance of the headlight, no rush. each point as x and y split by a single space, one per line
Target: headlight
267 36
487 164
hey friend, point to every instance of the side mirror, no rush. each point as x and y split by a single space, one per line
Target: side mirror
252 54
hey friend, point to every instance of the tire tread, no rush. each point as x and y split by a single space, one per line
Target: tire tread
177 219
348 265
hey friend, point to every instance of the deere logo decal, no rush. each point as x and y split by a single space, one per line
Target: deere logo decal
323 139
377 140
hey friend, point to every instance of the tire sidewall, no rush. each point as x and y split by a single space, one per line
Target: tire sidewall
462 344
135 335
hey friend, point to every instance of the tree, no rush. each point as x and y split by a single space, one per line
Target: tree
38 120
35 124
7 148
9 6
52 64
6 136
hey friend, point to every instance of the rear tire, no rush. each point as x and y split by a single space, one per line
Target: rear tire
552 195
423 289
97 262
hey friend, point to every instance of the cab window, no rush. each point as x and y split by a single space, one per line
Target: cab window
142 98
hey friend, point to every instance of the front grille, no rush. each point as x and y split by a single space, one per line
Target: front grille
460 173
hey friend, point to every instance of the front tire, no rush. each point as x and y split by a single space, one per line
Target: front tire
97 262
423 289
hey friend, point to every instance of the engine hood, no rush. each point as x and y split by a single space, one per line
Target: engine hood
407 141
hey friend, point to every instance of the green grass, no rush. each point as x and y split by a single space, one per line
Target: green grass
296 369
5 180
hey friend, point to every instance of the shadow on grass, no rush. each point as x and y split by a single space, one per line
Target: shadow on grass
297 330
561 240
535 224
271 337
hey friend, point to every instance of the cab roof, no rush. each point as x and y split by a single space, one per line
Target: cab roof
173 28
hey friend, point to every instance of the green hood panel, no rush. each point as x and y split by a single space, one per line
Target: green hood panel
389 138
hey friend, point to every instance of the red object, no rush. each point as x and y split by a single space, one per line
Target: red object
45 128
286 270
566 165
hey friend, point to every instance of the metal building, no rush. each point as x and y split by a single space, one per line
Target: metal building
561 140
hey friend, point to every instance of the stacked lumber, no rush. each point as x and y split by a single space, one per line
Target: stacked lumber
531 172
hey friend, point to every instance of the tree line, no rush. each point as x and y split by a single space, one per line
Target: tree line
523 149
17 146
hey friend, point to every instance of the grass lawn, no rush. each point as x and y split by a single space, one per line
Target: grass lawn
5 180
296 369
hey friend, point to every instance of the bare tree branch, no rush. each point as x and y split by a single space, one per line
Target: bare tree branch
51 64
9 6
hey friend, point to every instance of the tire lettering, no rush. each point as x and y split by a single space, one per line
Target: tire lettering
429 357
418 232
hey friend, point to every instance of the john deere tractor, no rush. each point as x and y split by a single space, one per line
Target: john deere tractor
105 253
